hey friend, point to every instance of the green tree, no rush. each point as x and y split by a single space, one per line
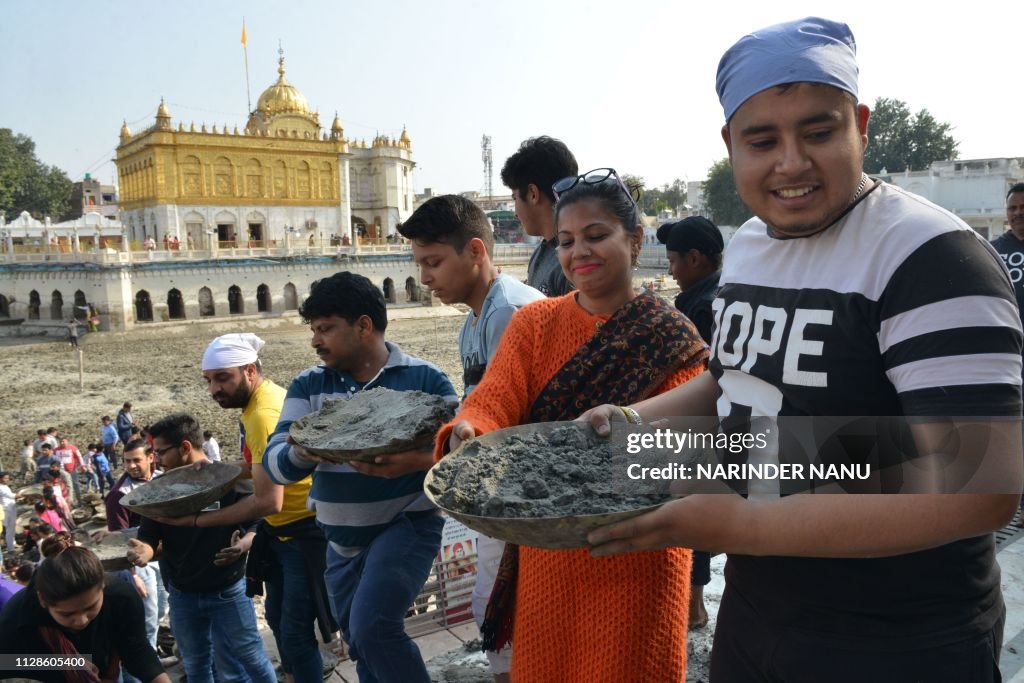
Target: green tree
721 198
27 184
638 186
674 194
899 139
654 199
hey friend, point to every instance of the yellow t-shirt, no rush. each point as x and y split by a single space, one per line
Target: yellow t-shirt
258 422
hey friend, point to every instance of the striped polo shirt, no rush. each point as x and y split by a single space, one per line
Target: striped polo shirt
353 507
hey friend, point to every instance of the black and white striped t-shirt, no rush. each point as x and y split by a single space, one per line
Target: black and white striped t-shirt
898 309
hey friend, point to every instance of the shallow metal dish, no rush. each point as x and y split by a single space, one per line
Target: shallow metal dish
157 498
368 454
558 533
112 551
425 413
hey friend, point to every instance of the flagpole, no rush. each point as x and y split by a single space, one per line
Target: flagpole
245 49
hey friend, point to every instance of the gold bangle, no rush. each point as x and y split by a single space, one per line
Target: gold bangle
632 417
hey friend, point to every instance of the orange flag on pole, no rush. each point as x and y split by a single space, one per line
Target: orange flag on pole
244 42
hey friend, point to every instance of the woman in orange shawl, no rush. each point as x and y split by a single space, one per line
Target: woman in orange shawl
576 617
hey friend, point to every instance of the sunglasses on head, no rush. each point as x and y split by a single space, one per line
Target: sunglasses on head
595 177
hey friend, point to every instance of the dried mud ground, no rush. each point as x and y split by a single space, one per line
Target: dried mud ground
39 383
159 374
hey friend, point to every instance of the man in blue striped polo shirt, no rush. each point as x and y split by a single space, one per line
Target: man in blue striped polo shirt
382 532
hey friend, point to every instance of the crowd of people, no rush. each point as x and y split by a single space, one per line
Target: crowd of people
844 296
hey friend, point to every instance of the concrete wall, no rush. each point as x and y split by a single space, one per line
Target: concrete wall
115 290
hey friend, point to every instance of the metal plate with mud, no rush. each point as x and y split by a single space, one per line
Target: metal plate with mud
182 491
372 423
112 551
550 472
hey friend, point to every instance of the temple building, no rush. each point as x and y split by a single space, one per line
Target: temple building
280 179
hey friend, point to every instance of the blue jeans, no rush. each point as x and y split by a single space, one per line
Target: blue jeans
150 577
106 477
371 593
219 627
291 614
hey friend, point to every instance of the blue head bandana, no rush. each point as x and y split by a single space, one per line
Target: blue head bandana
810 50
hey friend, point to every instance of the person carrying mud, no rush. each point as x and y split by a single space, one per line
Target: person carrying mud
212 619
287 553
847 296
611 341
382 532
453 244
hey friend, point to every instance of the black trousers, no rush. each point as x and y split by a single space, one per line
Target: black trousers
748 648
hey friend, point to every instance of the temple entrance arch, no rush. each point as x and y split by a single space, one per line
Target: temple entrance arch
5 307
412 290
175 305
227 234
389 290
263 304
291 298
143 307
206 307
236 304
81 306
57 306
33 305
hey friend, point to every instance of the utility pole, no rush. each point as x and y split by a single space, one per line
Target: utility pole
487 155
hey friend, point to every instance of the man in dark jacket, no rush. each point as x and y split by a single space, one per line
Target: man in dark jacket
694 247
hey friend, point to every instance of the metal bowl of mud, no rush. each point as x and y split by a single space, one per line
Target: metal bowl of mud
371 423
340 456
553 532
182 491
112 551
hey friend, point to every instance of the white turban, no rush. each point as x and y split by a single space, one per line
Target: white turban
232 351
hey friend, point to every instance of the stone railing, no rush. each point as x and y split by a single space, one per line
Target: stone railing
504 253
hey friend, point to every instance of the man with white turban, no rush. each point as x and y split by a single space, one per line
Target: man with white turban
847 296
288 552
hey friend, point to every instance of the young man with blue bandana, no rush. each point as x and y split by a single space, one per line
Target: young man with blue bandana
846 296
382 532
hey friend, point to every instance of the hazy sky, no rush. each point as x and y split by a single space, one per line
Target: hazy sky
625 84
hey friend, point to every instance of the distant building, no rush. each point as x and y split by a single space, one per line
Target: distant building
90 196
281 179
973 189
498 202
695 198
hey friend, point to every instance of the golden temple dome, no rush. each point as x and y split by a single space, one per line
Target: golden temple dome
404 141
282 97
125 131
162 111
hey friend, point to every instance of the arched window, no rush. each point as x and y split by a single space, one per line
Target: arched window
235 302
33 305
206 307
263 299
81 306
57 306
143 307
291 298
175 305
412 290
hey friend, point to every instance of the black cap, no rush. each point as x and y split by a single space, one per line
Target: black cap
695 232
